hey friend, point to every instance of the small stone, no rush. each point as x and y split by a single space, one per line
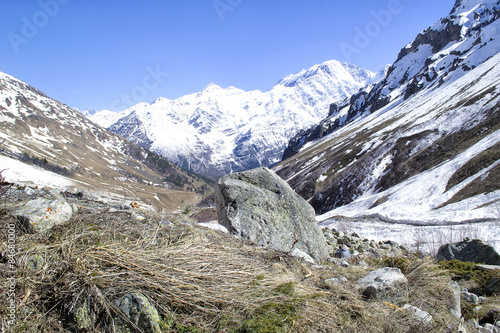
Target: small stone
456 303
139 310
488 328
386 284
35 262
302 255
421 315
333 282
470 297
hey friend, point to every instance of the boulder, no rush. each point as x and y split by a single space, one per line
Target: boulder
259 206
139 310
467 250
385 284
42 214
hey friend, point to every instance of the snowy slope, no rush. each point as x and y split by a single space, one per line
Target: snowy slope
217 131
421 146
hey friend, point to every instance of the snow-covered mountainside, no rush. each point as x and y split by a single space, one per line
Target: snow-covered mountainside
218 131
424 143
40 131
440 54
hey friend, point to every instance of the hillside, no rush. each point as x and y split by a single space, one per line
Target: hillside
48 135
420 146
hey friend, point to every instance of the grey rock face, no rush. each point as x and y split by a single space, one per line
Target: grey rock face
473 251
385 284
42 214
139 310
259 206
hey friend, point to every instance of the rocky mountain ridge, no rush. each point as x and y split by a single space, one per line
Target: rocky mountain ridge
218 131
439 55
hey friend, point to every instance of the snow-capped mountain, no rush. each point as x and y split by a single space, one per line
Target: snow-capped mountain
218 131
423 143
39 130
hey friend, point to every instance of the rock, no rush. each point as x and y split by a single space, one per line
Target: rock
139 310
492 317
214 226
421 315
35 262
302 255
488 328
166 223
259 206
386 284
488 267
473 251
470 297
456 302
343 252
29 191
42 214
333 282
84 317
73 191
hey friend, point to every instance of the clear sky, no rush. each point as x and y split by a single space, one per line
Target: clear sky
111 54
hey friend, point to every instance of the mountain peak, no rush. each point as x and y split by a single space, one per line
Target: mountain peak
212 87
467 5
332 68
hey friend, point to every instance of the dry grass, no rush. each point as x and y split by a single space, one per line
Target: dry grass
199 280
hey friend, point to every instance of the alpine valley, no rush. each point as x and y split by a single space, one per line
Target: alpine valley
416 144
366 202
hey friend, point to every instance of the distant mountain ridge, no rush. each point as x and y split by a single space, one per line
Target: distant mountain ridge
218 131
423 143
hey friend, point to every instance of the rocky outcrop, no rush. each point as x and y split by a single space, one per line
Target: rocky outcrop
467 250
259 206
385 284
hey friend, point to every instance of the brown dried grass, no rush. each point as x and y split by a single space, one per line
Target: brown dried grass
198 279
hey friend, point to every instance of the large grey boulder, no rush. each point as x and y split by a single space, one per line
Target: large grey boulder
385 284
467 250
42 214
259 206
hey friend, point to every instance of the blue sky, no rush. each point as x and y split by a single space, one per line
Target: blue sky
111 54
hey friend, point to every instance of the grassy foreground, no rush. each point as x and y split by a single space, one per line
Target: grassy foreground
199 280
